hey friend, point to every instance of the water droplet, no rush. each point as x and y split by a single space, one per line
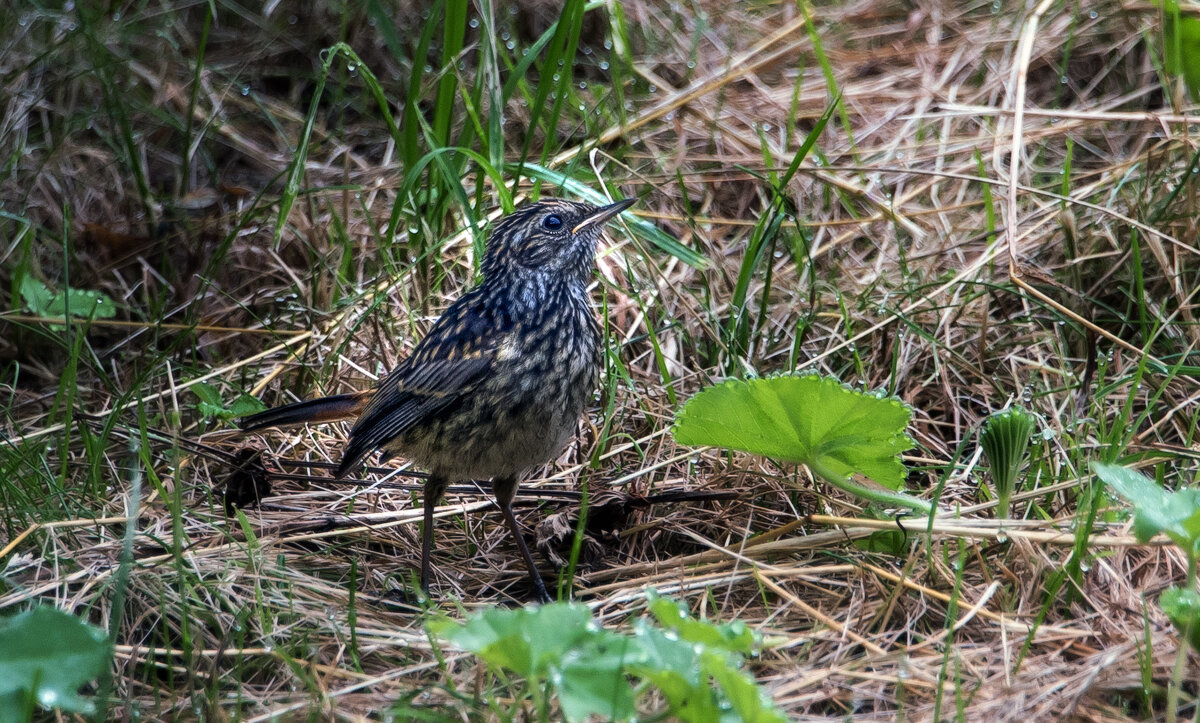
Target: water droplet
510 44
474 22
1001 536
603 65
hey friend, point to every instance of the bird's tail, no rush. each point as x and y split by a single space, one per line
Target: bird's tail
313 411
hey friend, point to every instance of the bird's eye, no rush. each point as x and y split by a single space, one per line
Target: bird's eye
553 222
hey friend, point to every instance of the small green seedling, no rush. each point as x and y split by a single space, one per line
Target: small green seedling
816 421
696 665
1005 440
211 406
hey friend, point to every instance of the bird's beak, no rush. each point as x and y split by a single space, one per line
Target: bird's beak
604 213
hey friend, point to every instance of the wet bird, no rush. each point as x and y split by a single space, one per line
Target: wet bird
497 386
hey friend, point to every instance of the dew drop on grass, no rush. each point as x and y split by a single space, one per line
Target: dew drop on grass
608 45
292 20
603 65
474 23
582 85
1085 565
1001 536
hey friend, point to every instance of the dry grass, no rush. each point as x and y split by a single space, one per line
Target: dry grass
938 251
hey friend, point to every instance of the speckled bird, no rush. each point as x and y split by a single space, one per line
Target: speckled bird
498 385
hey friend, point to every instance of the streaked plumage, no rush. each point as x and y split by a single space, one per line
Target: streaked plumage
497 386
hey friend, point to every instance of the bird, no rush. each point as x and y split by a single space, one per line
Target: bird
497 386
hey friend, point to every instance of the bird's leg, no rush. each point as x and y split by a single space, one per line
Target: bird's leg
505 488
435 487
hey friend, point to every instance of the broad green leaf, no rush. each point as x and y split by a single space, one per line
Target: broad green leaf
672 615
746 699
525 640
589 667
76 302
809 419
1175 514
1182 606
592 679
671 665
49 654
558 642
1181 41
212 406
245 405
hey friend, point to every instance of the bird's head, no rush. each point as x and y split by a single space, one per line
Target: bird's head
552 238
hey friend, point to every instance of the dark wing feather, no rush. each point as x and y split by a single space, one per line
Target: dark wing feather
450 361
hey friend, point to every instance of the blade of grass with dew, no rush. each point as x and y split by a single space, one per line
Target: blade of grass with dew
556 66
647 230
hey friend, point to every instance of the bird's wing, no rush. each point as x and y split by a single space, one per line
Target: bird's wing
459 351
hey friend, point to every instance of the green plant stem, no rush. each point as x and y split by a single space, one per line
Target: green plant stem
881 496
1003 501
1181 655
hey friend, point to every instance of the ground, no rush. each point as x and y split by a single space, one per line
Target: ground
999 209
